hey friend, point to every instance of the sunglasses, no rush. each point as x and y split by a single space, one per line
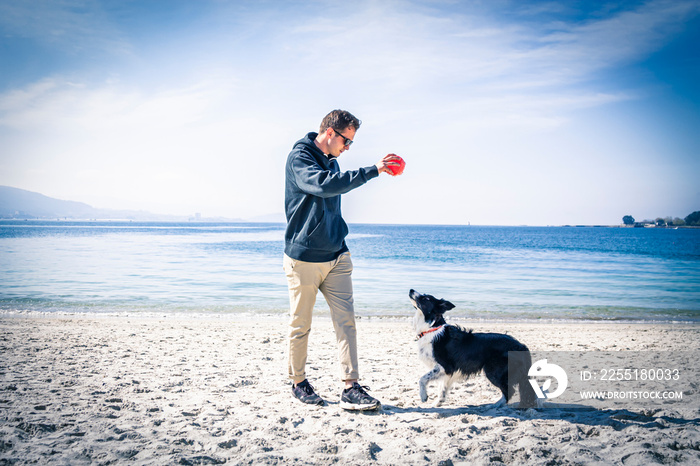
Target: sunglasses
347 140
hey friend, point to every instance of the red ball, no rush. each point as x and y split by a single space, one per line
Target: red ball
397 169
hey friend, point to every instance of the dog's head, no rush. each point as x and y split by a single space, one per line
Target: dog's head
429 310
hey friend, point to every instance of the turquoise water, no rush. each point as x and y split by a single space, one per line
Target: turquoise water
221 269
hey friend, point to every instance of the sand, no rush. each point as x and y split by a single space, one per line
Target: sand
79 390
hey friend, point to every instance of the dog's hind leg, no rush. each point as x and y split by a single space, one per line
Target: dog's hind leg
435 373
519 366
497 374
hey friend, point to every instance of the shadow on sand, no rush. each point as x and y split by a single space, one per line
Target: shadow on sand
618 419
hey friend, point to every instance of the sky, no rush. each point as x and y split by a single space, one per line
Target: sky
506 112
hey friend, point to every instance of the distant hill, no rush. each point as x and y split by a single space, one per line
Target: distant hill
21 204
18 203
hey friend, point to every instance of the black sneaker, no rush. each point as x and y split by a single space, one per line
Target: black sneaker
304 392
357 399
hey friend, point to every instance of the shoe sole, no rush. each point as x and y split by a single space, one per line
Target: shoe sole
312 403
355 407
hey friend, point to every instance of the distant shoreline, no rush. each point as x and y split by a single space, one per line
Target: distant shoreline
237 221
282 316
674 227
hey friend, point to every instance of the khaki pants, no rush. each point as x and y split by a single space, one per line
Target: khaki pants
334 279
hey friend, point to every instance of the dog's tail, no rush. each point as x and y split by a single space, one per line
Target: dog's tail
528 398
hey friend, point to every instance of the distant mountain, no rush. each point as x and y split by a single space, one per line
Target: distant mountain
21 204
18 203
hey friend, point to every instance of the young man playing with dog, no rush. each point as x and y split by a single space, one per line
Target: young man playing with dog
316 256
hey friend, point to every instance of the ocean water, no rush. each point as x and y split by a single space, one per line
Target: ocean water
235 269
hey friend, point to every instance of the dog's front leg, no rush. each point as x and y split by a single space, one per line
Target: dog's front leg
445 386
435 373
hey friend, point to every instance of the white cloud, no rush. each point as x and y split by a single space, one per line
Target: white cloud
471 102
628 36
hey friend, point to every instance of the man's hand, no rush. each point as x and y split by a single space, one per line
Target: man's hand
391 160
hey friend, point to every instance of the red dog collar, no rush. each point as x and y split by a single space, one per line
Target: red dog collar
422 334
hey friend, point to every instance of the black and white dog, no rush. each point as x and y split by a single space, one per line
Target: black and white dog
454 353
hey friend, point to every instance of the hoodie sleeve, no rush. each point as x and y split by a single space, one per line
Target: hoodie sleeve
313 179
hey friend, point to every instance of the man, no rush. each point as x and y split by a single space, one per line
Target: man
316 256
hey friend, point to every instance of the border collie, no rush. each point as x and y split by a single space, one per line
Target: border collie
454 353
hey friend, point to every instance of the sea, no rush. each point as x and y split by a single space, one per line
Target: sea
234 270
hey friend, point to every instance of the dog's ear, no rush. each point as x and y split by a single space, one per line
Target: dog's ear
446 305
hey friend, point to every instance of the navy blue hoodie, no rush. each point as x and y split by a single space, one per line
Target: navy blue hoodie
315 227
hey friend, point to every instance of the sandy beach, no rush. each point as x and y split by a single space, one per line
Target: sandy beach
115 390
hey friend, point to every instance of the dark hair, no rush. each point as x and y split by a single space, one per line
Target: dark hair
339 120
